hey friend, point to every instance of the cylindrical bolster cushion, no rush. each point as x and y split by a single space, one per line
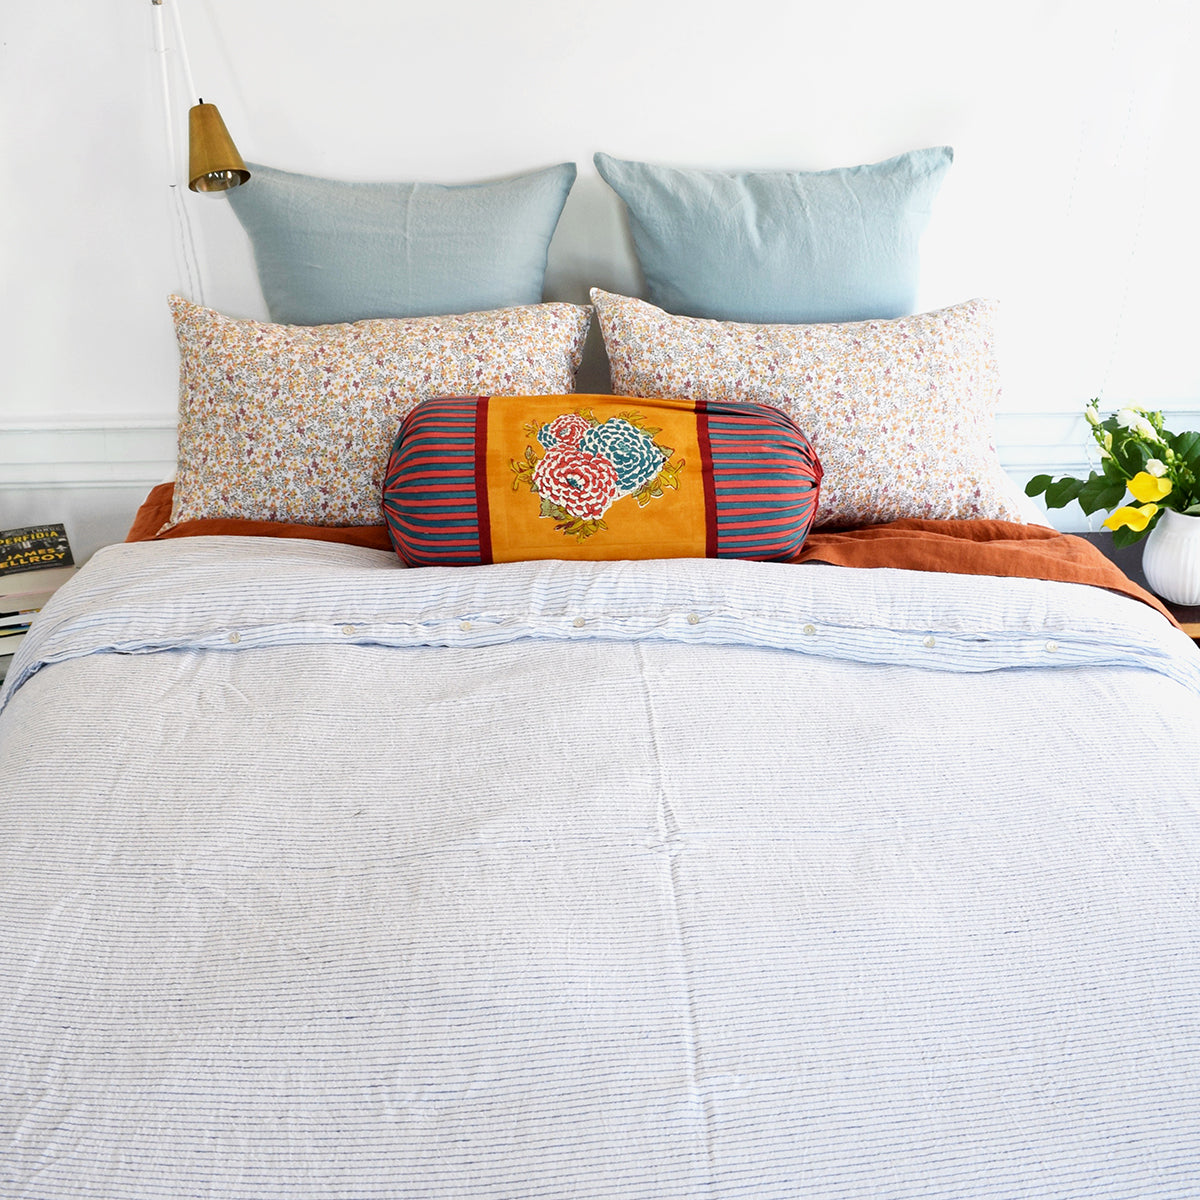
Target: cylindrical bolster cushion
485 479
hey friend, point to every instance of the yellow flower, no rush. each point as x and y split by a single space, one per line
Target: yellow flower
1147 488
1136 518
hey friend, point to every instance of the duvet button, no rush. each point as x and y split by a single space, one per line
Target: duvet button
579 622
693 619
810 630
465 626
930 642
1051 647
349 630
235 637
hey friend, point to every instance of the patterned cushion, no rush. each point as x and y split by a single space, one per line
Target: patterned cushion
484 479
840 245
292 423
901 412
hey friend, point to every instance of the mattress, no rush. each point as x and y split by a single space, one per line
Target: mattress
326 878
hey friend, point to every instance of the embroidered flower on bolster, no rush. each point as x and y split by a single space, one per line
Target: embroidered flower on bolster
568 429
581 483
630 450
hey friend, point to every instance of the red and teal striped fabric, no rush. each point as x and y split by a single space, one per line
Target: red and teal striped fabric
429 491
765 481
745 482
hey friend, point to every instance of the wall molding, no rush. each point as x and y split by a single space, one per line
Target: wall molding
134 452
54 455
1055 443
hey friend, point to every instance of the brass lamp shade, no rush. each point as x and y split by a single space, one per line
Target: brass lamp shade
214 165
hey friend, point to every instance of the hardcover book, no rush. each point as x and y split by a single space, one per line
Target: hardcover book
34 548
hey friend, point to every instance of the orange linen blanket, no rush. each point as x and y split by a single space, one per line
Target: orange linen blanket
961 547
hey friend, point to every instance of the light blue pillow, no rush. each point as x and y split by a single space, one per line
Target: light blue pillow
787 247
329 251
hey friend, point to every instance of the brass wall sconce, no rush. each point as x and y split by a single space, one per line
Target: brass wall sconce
214 164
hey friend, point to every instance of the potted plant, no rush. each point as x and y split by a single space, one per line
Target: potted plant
1160 470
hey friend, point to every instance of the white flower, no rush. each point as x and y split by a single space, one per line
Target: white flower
1130 418
1092 415
1156 468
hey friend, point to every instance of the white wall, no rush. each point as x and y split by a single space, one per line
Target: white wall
1072 198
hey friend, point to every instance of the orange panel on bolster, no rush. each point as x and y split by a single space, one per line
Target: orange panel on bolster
619 479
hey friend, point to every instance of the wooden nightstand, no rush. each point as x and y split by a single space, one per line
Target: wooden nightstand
1129 559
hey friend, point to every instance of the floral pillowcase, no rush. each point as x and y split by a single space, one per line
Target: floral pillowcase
295 423
900 411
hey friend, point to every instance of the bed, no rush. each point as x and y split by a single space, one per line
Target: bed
871 872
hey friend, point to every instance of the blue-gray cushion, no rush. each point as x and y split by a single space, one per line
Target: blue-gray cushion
328 251
781 246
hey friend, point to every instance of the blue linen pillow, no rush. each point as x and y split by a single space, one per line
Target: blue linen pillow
329 251
786 247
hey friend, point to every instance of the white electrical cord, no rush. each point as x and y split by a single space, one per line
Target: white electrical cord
181 46
187 244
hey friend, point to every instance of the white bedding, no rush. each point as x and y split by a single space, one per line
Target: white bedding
323 878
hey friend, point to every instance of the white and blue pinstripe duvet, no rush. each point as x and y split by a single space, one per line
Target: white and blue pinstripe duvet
322 878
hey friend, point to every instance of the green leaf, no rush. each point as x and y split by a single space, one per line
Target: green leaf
1187 446
1126 536
1062 491
1100 493
1132 456
1109 467
1038 484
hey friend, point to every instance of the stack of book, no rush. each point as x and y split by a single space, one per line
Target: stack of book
34 563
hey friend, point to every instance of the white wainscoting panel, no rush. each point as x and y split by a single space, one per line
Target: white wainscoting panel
89 476
94 454
96 473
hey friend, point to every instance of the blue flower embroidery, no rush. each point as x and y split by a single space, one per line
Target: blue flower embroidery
630 450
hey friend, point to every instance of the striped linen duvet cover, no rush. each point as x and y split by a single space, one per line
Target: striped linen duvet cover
320 877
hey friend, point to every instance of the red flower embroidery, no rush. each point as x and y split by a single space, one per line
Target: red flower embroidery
565 430
583 484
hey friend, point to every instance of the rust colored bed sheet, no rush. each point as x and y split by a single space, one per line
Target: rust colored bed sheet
962 547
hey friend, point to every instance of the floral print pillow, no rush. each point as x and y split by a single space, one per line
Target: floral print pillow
900 411
295 423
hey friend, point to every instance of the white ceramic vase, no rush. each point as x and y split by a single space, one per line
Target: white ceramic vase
1171 559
